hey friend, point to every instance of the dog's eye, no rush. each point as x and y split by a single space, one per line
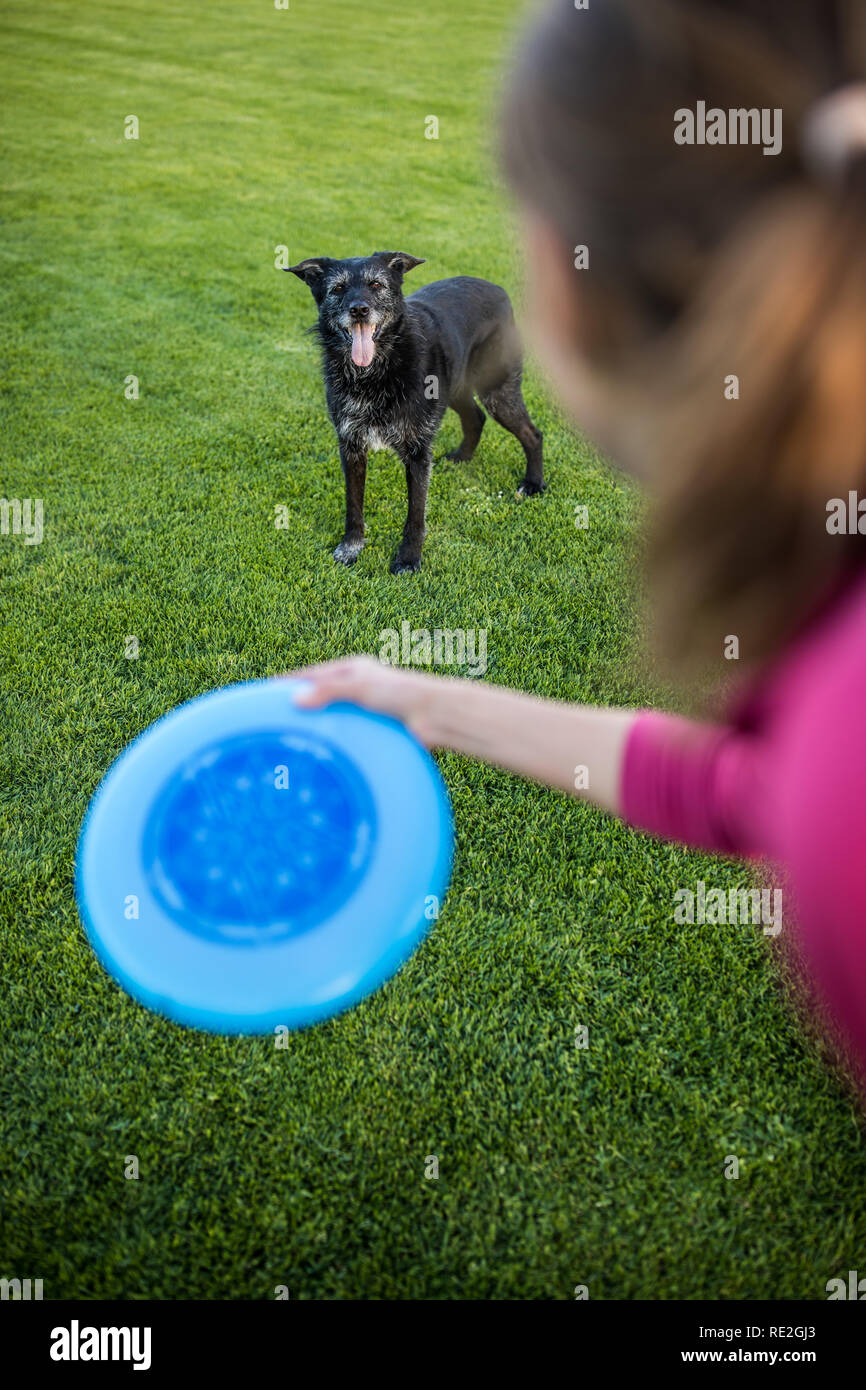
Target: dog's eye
339 289
376 285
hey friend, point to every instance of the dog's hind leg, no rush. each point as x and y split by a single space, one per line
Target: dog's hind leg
354 463
472 419
508 408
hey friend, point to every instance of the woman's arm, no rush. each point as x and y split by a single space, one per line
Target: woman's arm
575 748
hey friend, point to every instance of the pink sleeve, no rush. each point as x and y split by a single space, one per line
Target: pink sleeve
719 789
693 783
793 793
821 816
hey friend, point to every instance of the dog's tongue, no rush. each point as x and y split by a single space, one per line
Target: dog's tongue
363 347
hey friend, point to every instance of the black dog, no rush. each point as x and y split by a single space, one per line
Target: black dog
393 366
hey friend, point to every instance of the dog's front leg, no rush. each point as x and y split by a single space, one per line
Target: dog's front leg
418 459
354 462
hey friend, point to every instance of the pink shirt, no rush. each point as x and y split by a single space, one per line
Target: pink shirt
784 779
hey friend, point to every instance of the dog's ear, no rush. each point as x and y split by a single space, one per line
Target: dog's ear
311 271
401 262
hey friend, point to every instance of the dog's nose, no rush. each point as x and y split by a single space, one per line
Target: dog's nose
359 310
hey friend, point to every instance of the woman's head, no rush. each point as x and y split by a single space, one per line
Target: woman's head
713 333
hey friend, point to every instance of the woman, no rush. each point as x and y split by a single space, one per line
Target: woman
710 159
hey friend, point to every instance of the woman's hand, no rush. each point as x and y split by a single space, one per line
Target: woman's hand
361 680
541 739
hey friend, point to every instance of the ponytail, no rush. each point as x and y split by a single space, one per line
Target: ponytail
756 411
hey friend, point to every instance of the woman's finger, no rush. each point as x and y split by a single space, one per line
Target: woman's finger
344 679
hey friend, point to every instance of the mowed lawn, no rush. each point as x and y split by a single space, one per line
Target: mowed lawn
559 1165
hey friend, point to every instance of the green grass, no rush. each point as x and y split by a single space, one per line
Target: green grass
305 1167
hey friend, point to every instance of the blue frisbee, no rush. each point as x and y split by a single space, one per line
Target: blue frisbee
246 864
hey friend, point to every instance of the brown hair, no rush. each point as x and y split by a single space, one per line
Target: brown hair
707 262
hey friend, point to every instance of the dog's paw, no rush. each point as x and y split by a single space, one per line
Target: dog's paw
458 456
409 564
347 552
530 489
